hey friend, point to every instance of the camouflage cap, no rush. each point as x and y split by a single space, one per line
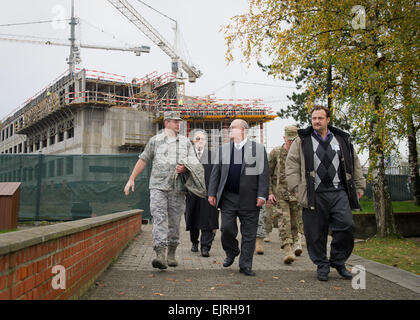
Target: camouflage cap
172 115
291 132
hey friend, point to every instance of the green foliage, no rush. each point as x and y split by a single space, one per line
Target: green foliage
303 39
6 231
397 206
361 56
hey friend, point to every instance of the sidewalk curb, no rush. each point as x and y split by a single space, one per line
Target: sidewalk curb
398 276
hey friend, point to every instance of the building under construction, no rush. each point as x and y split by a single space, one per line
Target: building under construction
93 112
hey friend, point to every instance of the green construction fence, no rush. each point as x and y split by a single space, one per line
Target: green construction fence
70 187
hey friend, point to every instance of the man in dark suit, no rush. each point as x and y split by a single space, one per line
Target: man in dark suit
199 214
239 185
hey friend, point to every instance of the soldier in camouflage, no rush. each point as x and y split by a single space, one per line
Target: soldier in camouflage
261 232
284 204
271 220
167 204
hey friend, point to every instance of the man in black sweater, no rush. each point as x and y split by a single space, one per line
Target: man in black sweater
324 170
239 187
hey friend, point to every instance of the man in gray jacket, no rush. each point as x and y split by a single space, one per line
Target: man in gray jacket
239 187
325 172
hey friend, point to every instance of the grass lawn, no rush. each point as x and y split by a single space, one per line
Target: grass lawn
402 253
397 206
5 231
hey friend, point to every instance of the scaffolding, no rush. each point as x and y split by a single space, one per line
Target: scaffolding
152 93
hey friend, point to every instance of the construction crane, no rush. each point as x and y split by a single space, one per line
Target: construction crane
144 26
74 57
14 38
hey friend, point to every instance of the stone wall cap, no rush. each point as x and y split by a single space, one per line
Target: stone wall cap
17 240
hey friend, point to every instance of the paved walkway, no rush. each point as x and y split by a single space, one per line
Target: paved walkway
196 278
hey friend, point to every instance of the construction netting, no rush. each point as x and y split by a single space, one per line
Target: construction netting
70 187
399 186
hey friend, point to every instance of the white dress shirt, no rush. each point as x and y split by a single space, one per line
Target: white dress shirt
239 146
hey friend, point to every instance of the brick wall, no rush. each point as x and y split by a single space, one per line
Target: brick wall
83 247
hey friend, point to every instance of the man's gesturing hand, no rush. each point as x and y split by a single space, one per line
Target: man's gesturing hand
130 184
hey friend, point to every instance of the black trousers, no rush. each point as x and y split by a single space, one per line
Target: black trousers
207 237
332 210
229 229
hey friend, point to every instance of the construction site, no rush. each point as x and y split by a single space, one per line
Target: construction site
73 143
94 112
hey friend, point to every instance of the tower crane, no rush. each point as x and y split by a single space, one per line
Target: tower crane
14 38
74 57
124 7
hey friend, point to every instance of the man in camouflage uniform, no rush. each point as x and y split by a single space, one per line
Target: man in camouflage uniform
261 232
167 204
271 220
284 203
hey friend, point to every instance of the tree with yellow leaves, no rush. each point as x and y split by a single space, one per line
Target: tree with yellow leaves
363 44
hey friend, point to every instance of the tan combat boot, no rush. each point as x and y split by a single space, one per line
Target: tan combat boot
267 238
302 239
171 256
160 260
297 247
290 256
259 246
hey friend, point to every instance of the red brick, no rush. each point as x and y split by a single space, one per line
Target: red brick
24 254
12 260
36 293
10 280
38 249
48 274
45 288
49 262
3 281
42 293
27 296
17 291
4 263
5 295
29 254
39 278
33 253
18 258
29 284
22 273
32 268
52 245
41 265
51 295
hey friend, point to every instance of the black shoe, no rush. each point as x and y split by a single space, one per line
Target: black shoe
342 271
322 276
228 261
205 252
194 247
247 272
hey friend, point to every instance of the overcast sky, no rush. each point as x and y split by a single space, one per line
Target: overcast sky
25 69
